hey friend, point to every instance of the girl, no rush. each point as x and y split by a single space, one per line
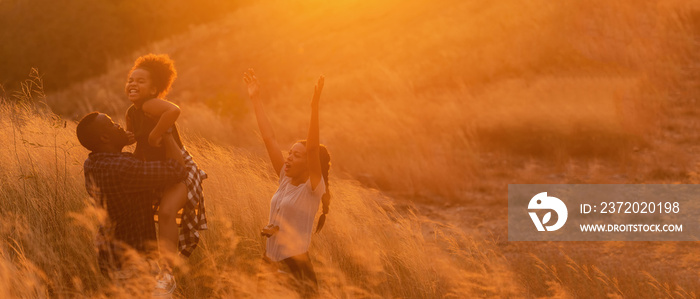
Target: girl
303 184
148 119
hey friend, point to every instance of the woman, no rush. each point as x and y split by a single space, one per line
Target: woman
149 118
303 184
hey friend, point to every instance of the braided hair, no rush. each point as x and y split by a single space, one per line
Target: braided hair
325 158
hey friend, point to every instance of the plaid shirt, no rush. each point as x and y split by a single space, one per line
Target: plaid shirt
126 188
194 217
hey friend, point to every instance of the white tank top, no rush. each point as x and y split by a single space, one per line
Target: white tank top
293 209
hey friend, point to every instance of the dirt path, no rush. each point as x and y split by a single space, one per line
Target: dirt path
671 155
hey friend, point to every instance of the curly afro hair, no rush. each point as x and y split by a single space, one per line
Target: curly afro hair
161 68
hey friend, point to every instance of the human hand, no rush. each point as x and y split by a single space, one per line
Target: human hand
252 81
269 230
155 140
317 89
132 138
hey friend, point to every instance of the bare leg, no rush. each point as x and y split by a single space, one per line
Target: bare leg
174 198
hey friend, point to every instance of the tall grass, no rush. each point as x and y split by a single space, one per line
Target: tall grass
429 112
419 91
367 249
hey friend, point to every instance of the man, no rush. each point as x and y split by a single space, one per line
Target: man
126 188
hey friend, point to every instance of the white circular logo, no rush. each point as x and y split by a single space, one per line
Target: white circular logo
543 202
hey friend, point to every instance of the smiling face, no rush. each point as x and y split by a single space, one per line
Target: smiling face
295 166
114 133
140 86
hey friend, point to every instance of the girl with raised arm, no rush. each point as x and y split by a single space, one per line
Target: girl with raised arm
149 118
303 185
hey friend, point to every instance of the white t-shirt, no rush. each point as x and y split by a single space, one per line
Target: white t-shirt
293 209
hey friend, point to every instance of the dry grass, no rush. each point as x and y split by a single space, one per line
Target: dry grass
419 89
429 112
368 249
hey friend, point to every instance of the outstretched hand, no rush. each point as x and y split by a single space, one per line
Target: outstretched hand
318 89
252 81
131 137
269 230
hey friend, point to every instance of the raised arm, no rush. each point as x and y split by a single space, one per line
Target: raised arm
312 141
166 112
268 135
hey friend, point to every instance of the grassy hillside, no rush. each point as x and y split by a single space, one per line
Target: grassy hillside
367 249
429 111
417 92
370 247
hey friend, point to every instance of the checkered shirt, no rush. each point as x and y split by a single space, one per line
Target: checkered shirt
126 188
194 218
